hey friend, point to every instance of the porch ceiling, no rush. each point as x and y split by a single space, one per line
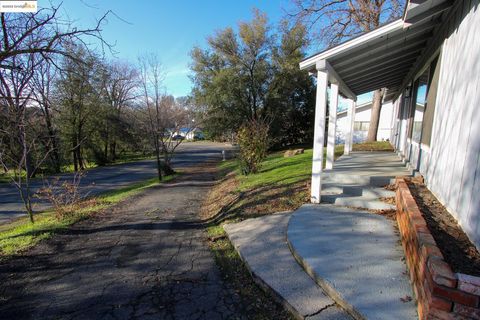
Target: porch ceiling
382 58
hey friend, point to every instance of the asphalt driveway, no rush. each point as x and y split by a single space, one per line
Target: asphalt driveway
144 259
108 178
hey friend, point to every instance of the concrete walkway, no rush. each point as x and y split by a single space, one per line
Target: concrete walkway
262 245
353 257
356 257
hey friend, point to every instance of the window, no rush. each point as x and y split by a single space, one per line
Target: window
420 104
423 108
431 100
361 125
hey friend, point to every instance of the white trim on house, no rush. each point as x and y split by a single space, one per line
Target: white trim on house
310 62
420 10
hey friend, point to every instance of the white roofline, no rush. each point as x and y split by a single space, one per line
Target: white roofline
359 106
377 33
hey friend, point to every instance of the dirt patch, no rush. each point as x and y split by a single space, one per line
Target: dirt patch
220 197
459 252
390 214
226 202
390 187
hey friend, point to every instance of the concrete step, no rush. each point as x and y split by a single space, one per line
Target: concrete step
331 189
356 202
360 190
349 179
372 193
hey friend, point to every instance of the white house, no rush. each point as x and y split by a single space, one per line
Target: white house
430 63
190 133
196 133
362 123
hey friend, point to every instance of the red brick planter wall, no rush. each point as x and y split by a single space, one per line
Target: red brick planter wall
441 293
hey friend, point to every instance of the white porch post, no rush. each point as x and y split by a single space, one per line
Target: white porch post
319 132
332 121
350 123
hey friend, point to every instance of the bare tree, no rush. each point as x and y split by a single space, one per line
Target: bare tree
334 21
121 87
19 152
152 76
164 116
28 40
42 94
177 122
43 33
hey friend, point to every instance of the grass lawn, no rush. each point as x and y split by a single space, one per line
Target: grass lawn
373 146
6 177
281 184
21 234
279 171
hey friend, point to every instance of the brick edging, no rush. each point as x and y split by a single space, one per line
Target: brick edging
440 293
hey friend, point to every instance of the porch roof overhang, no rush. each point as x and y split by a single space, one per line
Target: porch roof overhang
383 57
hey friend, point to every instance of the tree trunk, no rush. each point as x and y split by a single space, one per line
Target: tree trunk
375 115
106 143
29 167
113 150
105 150
167 168
25 187
55 156
157 153
81 163
75 162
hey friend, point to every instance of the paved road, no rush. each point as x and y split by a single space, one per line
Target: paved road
112 177
145 259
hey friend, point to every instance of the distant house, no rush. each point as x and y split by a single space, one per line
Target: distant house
362 123
190 133
195 134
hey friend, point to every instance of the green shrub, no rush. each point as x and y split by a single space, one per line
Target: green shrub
253 141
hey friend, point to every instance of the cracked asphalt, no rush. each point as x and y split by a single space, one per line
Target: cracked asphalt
144 259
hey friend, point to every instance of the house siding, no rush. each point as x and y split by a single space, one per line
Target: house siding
451 165
363 114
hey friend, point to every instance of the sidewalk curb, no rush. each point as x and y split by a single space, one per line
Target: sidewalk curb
262 284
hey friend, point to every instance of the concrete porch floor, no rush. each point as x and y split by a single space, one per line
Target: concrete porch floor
357 180
364 163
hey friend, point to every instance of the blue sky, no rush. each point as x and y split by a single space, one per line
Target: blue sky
170 28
